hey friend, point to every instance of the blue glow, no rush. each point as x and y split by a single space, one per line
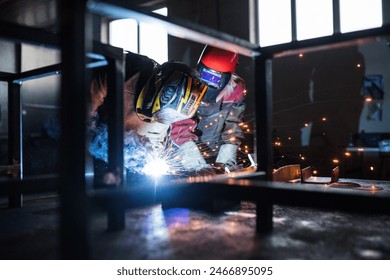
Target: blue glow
136 150
177 217
211 78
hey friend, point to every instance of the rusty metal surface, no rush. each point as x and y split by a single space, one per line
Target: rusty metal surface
287 173
334 182
308 178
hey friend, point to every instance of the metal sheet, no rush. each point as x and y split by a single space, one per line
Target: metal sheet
287 173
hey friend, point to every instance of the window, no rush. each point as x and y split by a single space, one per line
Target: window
274 22
141 37
313 18
154 39
123 34
360 14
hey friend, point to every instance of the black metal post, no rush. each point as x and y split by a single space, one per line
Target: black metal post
115 117
26 34
264 216
76 41
116 215
263 113
293 20
336 16
15 137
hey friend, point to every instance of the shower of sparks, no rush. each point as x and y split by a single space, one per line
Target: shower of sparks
141 157
156 167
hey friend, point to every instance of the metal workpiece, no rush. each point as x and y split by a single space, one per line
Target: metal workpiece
287 173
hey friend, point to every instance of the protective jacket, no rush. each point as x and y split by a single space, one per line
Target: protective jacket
215 130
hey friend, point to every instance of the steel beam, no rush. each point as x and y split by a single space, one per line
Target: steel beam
115 80
293 20
333 41
24 34
31 184
115 118
116 214
264 216
336 16
15 137
34 74
175 27
263 116
4 76
76 42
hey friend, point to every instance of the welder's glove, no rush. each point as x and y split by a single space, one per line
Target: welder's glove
227 155
191 158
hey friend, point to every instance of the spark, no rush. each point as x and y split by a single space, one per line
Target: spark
156 167
368 100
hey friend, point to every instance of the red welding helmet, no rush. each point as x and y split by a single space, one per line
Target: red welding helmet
215 66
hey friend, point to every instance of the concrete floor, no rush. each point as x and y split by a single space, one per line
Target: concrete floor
31 232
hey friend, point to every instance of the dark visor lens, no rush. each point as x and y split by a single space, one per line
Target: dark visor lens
211 78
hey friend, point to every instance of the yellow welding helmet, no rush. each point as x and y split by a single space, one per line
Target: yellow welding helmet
171 94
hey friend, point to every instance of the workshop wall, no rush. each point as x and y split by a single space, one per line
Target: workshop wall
377 57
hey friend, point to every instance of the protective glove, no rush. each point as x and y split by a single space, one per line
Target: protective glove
191 158
227 155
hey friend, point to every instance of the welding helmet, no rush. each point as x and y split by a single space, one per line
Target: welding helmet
215 66
171 94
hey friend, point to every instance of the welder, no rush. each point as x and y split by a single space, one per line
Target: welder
210 139
154 97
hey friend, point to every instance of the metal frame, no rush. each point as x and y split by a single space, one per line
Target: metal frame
76 41
15 135
263 86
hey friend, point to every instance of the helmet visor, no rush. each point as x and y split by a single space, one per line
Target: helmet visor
211 78
170 96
